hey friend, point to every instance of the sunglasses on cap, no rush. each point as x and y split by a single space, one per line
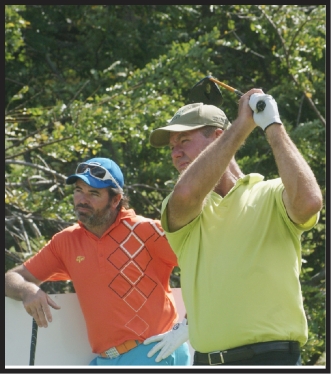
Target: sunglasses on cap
97 172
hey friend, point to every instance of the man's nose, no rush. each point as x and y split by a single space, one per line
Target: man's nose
82 199
176 152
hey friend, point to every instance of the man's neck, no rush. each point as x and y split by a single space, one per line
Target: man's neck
227 181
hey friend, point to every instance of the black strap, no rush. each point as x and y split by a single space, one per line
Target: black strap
244 352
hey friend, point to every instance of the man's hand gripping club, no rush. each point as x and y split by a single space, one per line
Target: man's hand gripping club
270 113
169 341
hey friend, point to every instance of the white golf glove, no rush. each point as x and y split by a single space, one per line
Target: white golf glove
270 113
169 341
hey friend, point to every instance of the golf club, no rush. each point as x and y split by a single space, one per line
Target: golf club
33 342
238 93
205 92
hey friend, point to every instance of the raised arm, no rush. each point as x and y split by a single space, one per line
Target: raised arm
21 285
302 196
202 175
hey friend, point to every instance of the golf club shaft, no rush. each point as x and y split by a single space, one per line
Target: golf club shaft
260 104
238 93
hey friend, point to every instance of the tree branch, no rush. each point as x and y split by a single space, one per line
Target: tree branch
29 164
41 146
316 279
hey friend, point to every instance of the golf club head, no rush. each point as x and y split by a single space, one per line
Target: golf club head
207 92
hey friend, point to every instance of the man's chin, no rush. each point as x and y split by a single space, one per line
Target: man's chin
83 217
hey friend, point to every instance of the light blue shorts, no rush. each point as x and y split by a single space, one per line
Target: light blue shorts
138 356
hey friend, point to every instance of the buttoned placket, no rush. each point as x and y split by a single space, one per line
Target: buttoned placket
101 254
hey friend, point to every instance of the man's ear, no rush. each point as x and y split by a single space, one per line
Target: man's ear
116 200
218 132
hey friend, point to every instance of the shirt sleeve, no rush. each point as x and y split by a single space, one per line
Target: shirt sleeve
297 228
164 218
310 223
47 265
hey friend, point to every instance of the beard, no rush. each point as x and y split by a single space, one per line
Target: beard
95 218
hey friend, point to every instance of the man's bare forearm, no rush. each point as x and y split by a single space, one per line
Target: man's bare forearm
302 196
16 286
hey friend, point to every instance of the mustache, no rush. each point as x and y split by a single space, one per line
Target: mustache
83 206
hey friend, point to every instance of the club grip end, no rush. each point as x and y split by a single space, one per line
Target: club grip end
260 105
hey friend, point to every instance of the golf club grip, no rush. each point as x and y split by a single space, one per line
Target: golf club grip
33 342
260 105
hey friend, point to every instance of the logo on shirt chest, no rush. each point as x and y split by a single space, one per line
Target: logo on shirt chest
79 259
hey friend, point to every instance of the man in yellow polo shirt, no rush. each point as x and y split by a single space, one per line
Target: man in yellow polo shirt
236 236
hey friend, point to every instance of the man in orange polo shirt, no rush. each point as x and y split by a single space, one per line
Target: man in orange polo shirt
119 263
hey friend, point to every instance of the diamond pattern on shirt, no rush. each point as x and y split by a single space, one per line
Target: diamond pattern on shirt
120 285
132 244
146 285
135 299
142 259
137 324
131 258
119 258
132 272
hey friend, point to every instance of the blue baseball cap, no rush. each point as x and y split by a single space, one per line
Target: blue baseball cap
98 172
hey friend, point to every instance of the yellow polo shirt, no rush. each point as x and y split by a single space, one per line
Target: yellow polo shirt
240 261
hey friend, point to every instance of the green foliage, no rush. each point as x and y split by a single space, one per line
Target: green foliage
87 80
14 25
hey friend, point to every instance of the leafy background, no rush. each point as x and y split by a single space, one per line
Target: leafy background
95 80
